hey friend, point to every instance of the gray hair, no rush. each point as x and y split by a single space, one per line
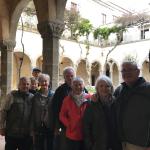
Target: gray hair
107 80
24 79
44 76
67 69
33 79
130 60
78 79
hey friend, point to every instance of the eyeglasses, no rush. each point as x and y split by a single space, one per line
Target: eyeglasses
128 71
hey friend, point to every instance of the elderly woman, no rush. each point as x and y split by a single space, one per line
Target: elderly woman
71 114
42 119
99 122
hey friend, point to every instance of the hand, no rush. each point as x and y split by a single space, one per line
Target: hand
2 132
94 97
57 131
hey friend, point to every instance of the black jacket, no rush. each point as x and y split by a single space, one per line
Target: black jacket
60 93
133 112
99 127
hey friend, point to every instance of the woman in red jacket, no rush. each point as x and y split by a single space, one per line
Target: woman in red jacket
71 114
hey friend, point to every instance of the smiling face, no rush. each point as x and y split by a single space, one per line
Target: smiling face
103 89
77 87
130 73
44 80
24 84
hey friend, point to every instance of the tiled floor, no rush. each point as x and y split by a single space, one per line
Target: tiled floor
2 142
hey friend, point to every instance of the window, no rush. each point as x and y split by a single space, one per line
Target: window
73 6
143 33
114 18
103 19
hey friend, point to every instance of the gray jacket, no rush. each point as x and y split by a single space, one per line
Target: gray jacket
15 114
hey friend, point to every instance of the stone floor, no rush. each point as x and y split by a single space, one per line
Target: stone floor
2 142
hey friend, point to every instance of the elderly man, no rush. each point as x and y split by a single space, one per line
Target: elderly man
60 93
15 115
133 108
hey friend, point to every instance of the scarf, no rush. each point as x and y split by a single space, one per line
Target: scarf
78 99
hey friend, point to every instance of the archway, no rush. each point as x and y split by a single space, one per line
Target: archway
25 69
65 62
95 72
115 75
145 70
82 72
107 70
39 62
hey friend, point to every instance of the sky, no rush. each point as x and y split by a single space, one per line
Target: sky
133 5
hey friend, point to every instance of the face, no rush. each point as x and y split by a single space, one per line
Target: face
34 85
35 74
24 85
103 89
44 83
69 75
130 73
77 87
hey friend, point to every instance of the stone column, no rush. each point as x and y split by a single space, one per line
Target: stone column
50 33
6 48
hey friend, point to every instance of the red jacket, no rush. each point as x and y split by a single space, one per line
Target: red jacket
71 116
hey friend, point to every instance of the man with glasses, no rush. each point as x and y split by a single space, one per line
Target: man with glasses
133 108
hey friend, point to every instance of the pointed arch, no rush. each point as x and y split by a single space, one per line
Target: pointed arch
25 69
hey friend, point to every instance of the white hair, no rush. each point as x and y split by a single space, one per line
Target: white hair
67 69
43 76
107 80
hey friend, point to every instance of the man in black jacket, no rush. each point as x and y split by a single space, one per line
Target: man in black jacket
133 108
61 92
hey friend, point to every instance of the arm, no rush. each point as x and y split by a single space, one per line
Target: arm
87 128
63 115
5 106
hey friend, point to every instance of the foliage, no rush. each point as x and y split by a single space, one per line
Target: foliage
91 89
106 31
84 28
71 19
103 32
133 19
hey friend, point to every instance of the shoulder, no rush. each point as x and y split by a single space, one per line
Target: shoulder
118 90
67 99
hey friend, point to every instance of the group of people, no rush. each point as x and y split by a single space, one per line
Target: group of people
36 118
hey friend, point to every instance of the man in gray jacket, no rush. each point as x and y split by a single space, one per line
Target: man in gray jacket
15 113
133 108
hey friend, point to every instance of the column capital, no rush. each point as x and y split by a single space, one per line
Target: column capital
8 45
51 29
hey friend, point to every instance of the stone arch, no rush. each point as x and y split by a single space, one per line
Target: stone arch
15 17
82 71
115 75
65 62
95 72
107 70
4 20
39 62
145 70
25 69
